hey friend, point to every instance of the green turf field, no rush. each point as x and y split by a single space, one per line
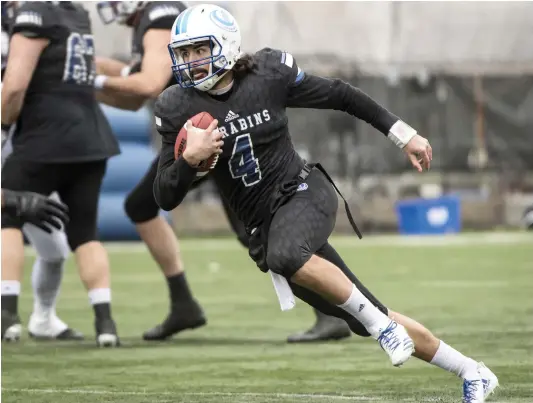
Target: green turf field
474 291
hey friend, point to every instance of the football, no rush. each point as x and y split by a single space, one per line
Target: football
201 121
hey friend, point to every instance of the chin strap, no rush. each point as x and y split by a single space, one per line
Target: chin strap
221 91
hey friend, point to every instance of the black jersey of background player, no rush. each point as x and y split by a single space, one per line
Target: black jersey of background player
155 15
258 152
61 120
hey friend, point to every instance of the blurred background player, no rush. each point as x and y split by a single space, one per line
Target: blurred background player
41 212
51 246
61 143
129 86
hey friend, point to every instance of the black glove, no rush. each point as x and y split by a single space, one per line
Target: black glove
36 209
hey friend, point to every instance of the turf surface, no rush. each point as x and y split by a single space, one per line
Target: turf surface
474 291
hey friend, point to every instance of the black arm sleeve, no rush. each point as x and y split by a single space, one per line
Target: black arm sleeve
174 177
325 93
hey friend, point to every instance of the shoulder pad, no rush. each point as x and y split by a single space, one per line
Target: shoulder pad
283 63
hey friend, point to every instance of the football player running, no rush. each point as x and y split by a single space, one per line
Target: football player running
288 206
129 86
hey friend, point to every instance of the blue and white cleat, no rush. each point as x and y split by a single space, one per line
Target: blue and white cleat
396 343
473 391
490 381
479 389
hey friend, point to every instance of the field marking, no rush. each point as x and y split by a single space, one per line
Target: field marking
230 244
304 396
212 394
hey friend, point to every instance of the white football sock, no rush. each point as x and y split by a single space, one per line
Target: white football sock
452 360
365 312
100 296
46 279
10 287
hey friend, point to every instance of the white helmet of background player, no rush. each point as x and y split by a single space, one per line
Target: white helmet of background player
122 12
200 24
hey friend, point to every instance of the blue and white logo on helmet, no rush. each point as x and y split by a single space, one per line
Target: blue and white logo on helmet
223 20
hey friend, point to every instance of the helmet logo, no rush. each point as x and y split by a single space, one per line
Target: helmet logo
224 20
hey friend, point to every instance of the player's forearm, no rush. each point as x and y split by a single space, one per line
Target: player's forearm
109 67
324 93
121 101
12 101
172 183
136 84
355 102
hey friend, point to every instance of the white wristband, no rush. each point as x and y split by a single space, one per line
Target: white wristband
99 81
401 133
125 72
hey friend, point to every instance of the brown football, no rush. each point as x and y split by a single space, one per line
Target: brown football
201 121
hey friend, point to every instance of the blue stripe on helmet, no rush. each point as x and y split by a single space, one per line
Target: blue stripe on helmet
185 21
181 23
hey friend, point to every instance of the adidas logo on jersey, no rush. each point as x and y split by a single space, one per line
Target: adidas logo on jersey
230 116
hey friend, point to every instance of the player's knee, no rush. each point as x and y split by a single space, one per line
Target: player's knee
285 261
140 207
80 238
58 253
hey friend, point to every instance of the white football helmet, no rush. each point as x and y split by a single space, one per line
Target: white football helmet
205 23
118 11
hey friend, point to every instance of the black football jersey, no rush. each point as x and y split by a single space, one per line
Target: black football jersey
155 15
258 152
60 120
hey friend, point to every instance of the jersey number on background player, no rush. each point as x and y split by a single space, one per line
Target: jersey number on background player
242 163
79 66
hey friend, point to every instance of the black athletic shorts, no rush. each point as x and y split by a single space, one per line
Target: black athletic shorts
301 218
77 183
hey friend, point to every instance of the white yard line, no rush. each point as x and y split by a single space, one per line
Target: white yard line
212 394
297 396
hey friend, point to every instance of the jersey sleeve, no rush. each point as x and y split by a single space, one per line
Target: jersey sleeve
160 15
174 177
36 19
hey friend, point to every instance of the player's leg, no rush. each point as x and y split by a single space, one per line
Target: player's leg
326 327
326 283
17 175
156 233
80 191
299 229
47 273
477 378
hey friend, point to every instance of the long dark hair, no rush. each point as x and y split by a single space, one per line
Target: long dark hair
246 64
